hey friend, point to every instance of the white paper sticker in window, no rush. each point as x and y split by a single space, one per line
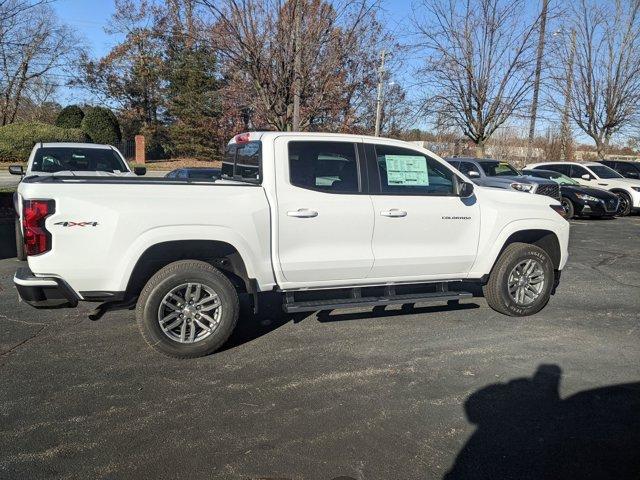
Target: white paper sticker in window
407 170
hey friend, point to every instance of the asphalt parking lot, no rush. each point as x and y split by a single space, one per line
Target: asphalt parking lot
423 393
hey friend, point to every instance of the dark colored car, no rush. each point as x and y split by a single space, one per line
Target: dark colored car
195 173
580 200
624 167
492 173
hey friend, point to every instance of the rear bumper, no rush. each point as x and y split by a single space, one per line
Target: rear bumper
44 292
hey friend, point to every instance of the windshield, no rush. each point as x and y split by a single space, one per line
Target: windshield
603 171
59 159
498 169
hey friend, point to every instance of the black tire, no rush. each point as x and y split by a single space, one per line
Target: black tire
20 253
170 277
568 207
496 291
626 204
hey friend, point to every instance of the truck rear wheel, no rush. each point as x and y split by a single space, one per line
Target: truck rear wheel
187 309
521 280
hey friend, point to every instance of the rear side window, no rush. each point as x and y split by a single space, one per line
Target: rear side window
324 166
407 172
243 162
60 159
564 169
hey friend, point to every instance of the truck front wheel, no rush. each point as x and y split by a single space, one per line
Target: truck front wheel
521 280
187 309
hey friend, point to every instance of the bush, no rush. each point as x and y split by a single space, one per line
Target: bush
70 117
101 125
17 139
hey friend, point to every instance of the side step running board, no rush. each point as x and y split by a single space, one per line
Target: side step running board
292 306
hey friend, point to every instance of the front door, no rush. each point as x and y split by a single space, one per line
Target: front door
422 230
325 216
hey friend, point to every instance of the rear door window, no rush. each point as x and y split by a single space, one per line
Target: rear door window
324 166
560 168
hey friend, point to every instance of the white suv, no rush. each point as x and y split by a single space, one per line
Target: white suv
595 174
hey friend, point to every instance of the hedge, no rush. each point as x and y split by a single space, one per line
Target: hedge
70 117
17 139
101 125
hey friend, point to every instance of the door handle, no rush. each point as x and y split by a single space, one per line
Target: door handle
394 212
303 213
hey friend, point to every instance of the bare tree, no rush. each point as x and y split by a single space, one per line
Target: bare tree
33 44
605 95
480 58
279 54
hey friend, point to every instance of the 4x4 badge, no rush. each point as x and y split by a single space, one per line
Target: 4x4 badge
77 224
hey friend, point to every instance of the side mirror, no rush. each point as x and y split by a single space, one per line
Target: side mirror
473 174
586 176
16 170
465 189
139 170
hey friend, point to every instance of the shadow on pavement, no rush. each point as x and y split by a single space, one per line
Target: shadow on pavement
270 317
380 312
526 431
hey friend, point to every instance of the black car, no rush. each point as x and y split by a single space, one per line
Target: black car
195 173
579 200
625 168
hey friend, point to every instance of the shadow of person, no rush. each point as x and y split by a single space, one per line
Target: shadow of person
526 431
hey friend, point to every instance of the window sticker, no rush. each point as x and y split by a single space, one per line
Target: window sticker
407 170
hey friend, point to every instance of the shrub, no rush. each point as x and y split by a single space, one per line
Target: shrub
101 125
70 117
17 139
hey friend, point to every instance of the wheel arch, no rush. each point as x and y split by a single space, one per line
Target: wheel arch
545 239
222 255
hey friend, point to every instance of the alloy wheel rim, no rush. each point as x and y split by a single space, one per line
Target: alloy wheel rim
526 282
190 312
565 205
623 204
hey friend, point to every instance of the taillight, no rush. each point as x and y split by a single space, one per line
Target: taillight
37 239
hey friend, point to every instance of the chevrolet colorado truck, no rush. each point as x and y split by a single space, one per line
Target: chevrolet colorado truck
326 220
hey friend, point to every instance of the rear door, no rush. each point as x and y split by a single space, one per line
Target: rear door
325 215
423 229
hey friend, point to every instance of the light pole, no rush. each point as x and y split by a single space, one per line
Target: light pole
536 81
381 72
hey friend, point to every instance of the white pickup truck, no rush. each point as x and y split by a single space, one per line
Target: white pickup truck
330 221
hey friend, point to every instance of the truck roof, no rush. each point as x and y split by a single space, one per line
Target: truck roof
260 135
71 145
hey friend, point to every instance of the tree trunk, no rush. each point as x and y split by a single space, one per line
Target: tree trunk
480 150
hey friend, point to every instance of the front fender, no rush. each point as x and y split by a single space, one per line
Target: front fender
489 254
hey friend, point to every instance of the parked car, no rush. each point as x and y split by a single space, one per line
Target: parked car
580 200
594 174
625 168
57 158
199 173
325 220
492 173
